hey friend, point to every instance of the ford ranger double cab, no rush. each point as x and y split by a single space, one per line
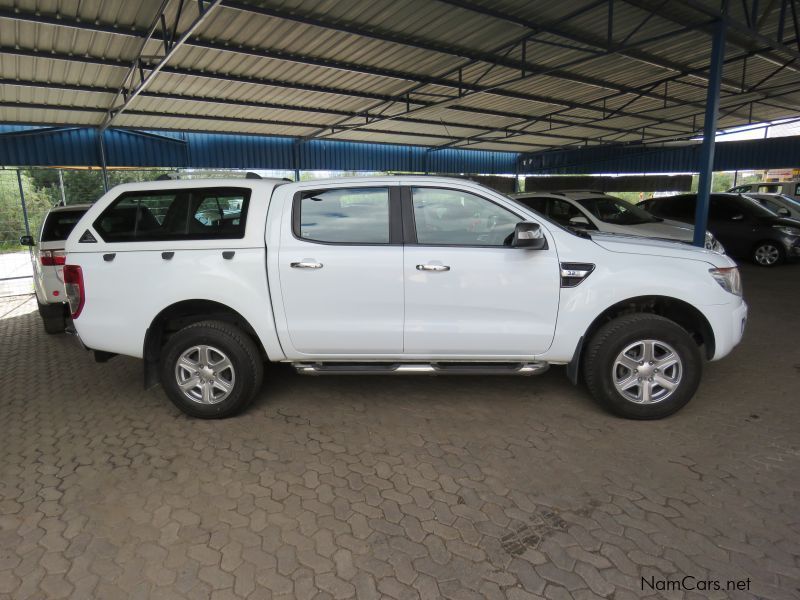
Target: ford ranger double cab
207 280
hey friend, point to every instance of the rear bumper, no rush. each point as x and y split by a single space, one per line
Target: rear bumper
728 322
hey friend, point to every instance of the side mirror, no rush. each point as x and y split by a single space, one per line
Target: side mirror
27 240
529 235
784 212
579 221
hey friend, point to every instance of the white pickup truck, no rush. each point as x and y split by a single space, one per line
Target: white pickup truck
206 280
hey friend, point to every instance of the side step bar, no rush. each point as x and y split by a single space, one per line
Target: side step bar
437 368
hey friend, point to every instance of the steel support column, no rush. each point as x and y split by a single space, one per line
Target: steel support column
101 146
22 202
709 133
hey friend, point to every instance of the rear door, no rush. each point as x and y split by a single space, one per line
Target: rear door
468 293
731 225
341 272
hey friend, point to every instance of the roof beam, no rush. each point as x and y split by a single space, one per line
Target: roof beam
296 86
141 64
331 64
736 27
464 53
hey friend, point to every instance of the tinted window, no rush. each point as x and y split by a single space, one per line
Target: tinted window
771 189
616 211
344 216
537 204
183 214
59 224
562 211
453 217
770 204
723 209
674 207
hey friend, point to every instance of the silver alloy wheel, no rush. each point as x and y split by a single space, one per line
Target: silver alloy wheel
767 254
647 371
205 374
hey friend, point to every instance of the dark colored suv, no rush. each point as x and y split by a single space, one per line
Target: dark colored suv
742 225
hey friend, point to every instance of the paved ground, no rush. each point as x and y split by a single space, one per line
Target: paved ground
16 273
401 488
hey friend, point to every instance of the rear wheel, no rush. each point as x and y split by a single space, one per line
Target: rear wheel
642 366
768 254
54 317
211 369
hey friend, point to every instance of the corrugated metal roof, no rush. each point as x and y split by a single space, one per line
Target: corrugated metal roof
441 73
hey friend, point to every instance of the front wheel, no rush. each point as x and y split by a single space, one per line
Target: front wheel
768 254
211 369
642 366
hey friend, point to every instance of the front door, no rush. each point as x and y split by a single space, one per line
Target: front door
730 225
341 272
468 293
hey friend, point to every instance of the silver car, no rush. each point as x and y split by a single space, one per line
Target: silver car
601 212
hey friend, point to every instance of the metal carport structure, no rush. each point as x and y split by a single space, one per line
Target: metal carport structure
501 77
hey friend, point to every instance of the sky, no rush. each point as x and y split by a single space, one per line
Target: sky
782 128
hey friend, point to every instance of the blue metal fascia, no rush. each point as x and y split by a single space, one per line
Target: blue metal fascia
136 148
771 153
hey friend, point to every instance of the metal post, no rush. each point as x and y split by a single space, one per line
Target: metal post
709 133
61 185
296 159
102 145
22 201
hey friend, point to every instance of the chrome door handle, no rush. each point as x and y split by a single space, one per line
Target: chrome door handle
433 268
306 265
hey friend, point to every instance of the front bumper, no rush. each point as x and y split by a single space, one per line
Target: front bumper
792 246
728 322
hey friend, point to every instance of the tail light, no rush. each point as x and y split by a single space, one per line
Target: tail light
73 286
53 258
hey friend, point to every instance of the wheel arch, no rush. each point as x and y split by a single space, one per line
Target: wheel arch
180 314
674 309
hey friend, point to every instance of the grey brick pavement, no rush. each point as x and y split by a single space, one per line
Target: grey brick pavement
398 488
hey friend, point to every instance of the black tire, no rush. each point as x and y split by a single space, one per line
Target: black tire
768 248
614 337
54 317
240 350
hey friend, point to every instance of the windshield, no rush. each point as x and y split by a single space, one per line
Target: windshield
616 211
753 207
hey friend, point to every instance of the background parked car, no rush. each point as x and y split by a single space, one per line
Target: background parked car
742 225
780 204
599 211
48 259
789 188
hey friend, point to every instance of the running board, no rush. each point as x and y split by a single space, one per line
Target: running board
437 368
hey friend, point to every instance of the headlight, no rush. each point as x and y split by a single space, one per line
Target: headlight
729 279
787 230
